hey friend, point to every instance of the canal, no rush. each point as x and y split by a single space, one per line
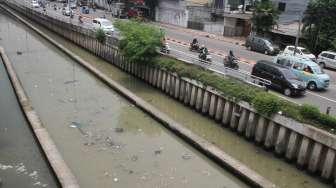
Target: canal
105 140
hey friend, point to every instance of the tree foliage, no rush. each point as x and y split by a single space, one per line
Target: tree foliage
265 16
319 25
139 41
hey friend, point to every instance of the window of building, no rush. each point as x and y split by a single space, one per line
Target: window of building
282 6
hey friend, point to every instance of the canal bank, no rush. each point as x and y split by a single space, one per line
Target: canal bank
22 163
281 172
92 126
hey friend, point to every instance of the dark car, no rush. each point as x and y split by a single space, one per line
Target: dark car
282 79
262 45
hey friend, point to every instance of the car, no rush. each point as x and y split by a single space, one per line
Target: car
35 4
327 59
305 69
262 45
300 51
104 24
282 79
66 11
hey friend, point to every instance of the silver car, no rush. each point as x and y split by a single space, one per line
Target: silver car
327 59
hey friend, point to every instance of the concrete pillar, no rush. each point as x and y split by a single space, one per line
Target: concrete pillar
315 157
227 112
219 108
292 146
243 121
193 95
188 91
199 99
234 118
213 103
270 134
182 90
251 125
281 141
167 87
206 102
172 85
151 72
177 88
303 152
260 132
329 164
163 80
155 76
159 79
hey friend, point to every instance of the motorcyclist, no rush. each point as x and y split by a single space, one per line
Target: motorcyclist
55 7
231 57
194 43
203 52
80 18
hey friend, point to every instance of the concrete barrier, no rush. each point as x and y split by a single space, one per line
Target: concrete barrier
196 141
310 148
54 158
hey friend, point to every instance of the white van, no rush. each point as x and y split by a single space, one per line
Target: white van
327 59
300 52
104 24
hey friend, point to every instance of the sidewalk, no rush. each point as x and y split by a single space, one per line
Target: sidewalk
232 40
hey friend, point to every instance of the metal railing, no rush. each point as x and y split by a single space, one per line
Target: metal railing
219 68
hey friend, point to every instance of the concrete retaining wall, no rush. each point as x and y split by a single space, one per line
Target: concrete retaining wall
304 145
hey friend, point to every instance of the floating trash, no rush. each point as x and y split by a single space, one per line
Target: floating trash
5 167
134 158
70 81
186 156
18 52
115 179
119 130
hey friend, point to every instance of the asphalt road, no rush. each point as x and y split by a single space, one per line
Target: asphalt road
179 40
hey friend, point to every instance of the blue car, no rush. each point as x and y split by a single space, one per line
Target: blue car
306 70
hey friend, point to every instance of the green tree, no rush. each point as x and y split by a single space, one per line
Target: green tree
265 16
319 25
139 42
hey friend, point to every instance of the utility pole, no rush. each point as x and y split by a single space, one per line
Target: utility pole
298 34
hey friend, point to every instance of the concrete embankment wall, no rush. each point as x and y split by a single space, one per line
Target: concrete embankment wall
304 145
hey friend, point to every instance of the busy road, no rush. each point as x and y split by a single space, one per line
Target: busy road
179 44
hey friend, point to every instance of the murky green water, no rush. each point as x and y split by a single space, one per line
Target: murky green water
265 163
106 141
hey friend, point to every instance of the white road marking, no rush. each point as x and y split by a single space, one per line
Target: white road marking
326 98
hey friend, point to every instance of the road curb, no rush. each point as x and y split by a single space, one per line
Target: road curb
60 168
201 144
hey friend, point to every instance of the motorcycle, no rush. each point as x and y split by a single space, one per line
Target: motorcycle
231 64
165 48
55 7
205 58
194 47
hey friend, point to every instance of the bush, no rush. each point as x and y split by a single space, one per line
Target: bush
266 103
309 112
100 35
139 41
